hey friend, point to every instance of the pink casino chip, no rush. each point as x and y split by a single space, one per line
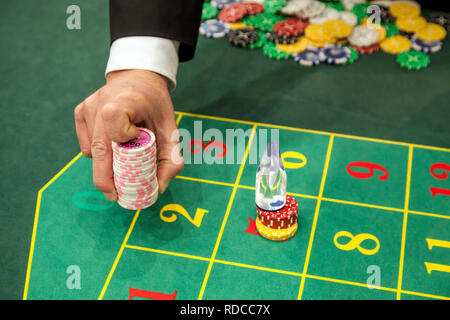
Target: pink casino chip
134 167
142 142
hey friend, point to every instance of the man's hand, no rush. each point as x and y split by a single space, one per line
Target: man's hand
129 97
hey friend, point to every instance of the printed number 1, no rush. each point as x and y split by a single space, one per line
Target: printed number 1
434 266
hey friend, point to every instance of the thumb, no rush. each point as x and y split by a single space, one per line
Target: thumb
118 122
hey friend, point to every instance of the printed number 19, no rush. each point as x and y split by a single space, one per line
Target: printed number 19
441 176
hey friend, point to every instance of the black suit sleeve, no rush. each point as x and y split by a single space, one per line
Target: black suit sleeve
170 19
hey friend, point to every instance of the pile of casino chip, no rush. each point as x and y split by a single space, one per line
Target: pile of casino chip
278 225
134 167
313 32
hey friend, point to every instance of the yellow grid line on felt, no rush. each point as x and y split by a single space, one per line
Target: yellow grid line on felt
230 202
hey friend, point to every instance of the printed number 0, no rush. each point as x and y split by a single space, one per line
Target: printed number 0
198 217
293 155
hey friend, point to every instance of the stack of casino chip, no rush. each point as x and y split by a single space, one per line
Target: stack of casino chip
309 57
425 46
364 39
134 166
313 32
413 60
242 37
278 225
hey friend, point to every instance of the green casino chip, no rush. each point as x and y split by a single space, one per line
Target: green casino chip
360 10
354 55
262 39
270 50
273 6
391 29
413 60
209 11
263 21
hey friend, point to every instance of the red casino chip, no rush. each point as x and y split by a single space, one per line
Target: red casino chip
254 8
291 26
367 50
284 218
233 12
279 223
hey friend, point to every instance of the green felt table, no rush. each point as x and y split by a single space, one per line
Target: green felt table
199 240
48 225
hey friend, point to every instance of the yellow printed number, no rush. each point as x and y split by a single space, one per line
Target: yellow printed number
293 155
356 241
435 266
198 217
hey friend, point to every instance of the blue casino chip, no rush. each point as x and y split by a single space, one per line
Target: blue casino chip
309 57
220 4
336 54
425 46
214 28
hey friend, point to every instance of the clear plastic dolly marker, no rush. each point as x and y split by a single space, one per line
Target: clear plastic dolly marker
270 194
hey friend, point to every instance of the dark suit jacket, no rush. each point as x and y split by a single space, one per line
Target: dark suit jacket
170 19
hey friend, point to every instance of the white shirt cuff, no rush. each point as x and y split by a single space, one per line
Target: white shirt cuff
146 53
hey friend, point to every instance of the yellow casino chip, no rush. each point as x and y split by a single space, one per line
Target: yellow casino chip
317 33
396 44
337 28
411 24
321 44
296 47
404 9
431 32
276 234
238 25
381 33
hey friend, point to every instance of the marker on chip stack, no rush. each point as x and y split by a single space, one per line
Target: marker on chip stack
134 166
277 212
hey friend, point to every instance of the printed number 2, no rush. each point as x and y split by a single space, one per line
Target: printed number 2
198 217
441 176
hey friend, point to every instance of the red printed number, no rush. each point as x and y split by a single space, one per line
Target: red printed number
441 176
151 295
208 146
366 165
